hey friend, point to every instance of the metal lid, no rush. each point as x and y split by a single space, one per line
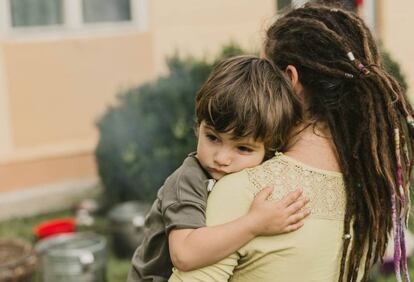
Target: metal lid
129 211
74 244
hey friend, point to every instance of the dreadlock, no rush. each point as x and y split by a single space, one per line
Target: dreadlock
369 117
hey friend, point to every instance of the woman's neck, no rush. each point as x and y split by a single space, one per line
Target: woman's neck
312 144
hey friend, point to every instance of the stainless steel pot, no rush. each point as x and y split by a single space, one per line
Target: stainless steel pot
76 257
126 226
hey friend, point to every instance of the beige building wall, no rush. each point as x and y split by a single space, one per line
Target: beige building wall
52 94
200 28
5 135
54 88
396 23
59 88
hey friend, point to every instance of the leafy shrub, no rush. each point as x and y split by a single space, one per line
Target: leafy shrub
394 68
149 132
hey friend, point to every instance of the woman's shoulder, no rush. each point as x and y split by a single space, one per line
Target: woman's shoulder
233 181
230 198
282 162
283 167
326 189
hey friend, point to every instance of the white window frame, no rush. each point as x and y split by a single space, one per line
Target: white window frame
73 22
370 14
298 3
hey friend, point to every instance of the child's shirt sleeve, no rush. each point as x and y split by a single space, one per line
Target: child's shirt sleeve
184 197
230 199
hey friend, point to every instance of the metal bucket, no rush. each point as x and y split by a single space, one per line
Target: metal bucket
127 226
17 261
77 257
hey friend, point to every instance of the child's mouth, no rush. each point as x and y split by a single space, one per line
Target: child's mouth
217 171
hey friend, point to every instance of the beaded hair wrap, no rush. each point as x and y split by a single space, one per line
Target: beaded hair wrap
363 70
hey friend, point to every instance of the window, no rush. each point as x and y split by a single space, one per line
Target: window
283 5
369 14
106 10
36 12
348 4
367 9
19 17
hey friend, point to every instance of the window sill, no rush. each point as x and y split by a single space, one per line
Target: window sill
63 32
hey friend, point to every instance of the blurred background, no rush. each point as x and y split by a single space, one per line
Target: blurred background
96 97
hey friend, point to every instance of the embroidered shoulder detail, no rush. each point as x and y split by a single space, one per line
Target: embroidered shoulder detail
326 191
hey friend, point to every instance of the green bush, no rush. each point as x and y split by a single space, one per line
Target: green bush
150 130
394 68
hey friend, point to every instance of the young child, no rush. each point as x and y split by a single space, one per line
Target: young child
244 113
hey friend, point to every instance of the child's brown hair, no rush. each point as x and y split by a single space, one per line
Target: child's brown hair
247 95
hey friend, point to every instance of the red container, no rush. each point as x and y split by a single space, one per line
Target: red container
54 227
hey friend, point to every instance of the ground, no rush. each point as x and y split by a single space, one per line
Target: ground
117 268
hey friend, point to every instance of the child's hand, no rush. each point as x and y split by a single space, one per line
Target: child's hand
275 217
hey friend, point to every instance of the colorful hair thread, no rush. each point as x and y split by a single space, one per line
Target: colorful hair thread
397 243
400 253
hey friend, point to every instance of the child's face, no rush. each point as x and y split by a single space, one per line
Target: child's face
221 153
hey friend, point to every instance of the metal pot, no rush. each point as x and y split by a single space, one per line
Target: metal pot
77 257
127 226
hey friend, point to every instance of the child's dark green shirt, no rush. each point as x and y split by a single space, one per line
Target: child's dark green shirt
180 204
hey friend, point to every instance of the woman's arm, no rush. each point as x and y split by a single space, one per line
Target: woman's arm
195 248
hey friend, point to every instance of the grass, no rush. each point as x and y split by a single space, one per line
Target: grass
391 277
117 268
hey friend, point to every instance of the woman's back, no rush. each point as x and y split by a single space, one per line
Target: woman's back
310 254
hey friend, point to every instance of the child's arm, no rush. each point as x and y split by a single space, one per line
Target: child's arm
195 248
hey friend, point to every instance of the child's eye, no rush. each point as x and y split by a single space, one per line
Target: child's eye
212 137
245 149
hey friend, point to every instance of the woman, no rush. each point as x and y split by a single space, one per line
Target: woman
351 154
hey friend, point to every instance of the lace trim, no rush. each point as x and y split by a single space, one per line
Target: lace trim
326 190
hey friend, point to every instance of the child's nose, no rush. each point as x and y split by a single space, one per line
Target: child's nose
223 157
